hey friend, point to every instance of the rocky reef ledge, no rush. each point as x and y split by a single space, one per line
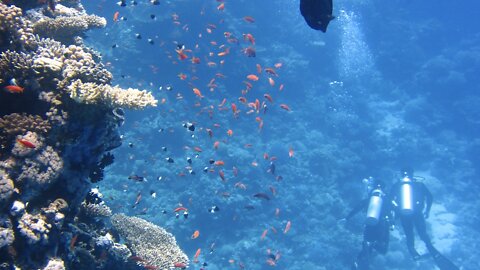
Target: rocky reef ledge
59 120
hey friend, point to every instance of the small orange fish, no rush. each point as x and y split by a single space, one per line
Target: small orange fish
271 81
281 87
195 257
115 16
264 234
252 77
26 143
278 65
219 163
181 55
249 19
285 107
259 69
195 234
197 92
268 97
287 227
195 60
221 7
249 37
230 132
14 89
222 175
234 109
290 152
216 144
271 72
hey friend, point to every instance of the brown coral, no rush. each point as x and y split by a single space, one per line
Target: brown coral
113 96
34 228
12 22
65 28
6 187
150 242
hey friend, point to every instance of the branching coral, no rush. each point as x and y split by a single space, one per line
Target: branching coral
6 233
55 264
91 93
15 65
96 209
152 243
64 28
15 124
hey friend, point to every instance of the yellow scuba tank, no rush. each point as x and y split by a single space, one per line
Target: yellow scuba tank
374 207
406 196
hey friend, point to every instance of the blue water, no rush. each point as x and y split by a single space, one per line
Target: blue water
391 83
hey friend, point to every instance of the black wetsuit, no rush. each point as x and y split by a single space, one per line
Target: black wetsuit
374 236
422 202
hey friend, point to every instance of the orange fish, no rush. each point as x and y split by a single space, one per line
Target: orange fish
216 144
277 212
221 7
222 103
181 55
249 19
195 234
259 69
222 175
265 156
271 72
281 87
195 257
264 234
14 89
252 77
230 132
195 60
271 81
115 16
197 92
278 65
26 143
290 152
268 97
219 163
285 107
287 227
249 37
234 109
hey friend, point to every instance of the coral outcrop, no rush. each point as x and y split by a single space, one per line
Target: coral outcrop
150 242
59 118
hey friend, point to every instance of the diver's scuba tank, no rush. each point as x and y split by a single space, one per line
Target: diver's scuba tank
375 206
406 196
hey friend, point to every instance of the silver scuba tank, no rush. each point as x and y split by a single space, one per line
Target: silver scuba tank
374 207
406 196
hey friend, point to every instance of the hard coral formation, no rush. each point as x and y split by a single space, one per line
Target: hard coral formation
91 93
150 242
57 126
34 228
64 28
6 188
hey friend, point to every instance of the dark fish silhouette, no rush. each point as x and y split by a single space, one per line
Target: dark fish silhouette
317 13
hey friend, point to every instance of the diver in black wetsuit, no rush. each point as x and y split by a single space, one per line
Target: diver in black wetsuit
377 227
412 201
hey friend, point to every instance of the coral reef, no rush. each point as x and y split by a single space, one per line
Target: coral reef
59 118
153 244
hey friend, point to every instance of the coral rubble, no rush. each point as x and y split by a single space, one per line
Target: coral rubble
59 118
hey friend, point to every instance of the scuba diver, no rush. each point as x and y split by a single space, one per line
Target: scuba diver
377 228
412 202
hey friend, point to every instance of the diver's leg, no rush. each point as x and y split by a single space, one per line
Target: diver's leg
407 224
422 233
363 258
383 237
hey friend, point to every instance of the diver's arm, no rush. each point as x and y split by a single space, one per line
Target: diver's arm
428 200
357 208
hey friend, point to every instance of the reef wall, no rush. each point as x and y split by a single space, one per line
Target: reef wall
59 118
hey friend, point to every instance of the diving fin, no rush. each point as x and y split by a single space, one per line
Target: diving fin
442 262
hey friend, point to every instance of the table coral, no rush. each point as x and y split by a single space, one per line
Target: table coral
91 93
152 243
64 28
